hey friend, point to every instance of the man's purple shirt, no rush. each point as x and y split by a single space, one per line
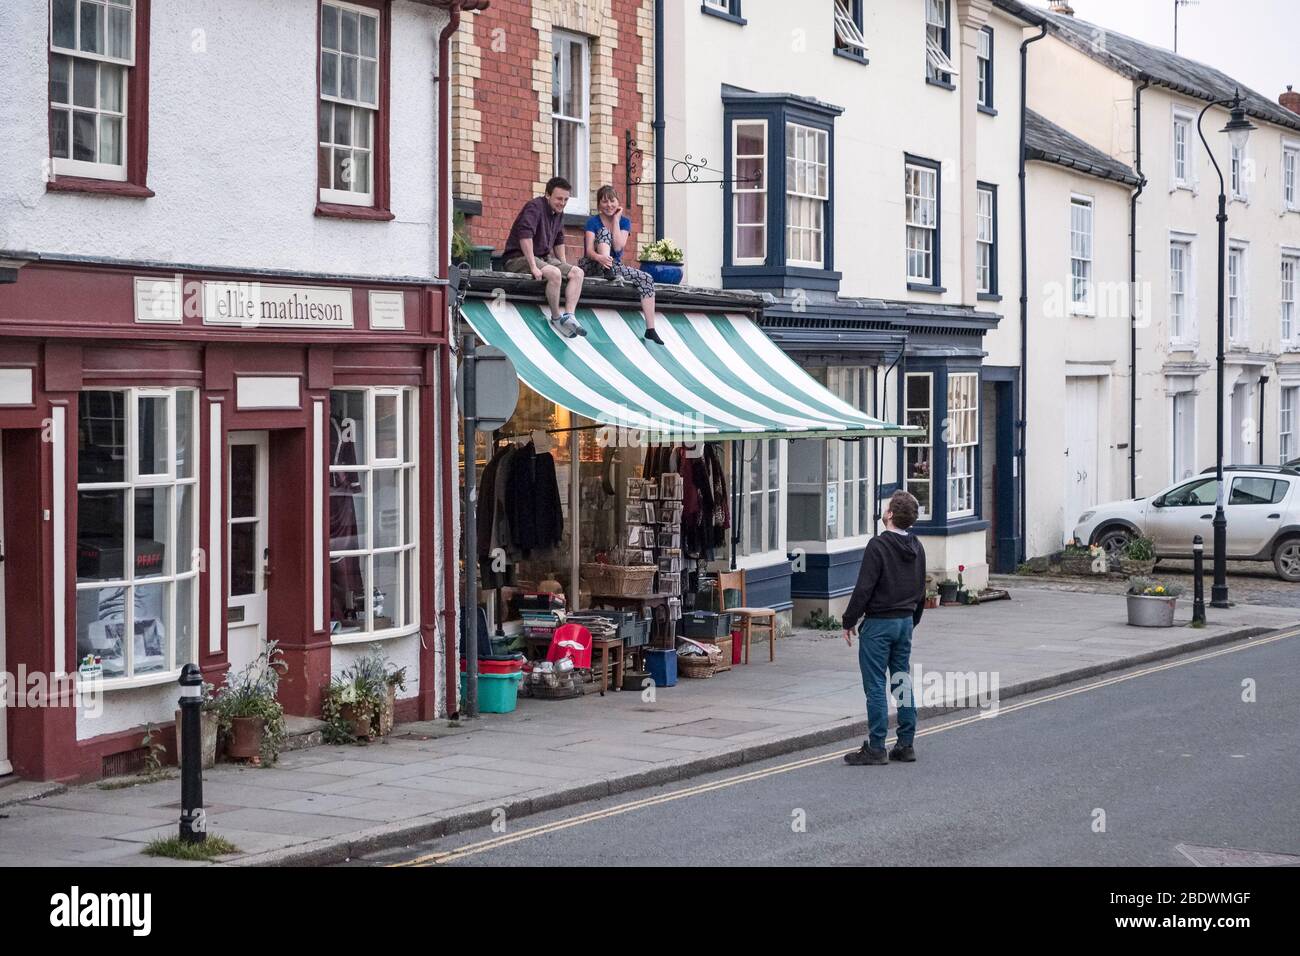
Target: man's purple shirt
536 221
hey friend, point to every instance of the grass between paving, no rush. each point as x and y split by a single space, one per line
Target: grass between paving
172 847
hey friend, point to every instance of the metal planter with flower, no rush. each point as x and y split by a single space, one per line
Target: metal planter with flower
1151 603
663 261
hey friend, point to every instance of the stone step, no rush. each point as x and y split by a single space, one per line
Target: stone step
303 732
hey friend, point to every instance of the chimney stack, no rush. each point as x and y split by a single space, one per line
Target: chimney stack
1062 7
1290 99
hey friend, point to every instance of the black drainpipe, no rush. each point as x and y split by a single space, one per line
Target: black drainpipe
1024 297
1263 380
659 119
1132 287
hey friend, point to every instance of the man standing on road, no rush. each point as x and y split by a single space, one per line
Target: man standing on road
888 599
536 247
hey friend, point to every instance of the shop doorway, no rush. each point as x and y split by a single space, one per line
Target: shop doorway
5 766
246 543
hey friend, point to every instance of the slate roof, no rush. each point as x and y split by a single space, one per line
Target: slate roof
1142 61
1046 141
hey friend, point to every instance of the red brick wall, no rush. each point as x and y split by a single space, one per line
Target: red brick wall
507 157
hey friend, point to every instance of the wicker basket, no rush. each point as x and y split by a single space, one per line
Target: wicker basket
629 580
699 665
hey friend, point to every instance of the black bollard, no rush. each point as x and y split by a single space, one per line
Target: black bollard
193 820
1198 587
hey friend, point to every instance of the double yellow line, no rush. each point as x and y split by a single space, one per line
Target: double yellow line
496 843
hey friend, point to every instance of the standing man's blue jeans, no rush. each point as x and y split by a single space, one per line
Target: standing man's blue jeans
885 643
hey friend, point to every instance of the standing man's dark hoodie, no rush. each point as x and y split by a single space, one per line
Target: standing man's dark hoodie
888 599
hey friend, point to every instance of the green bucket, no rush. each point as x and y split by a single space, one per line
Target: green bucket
497 693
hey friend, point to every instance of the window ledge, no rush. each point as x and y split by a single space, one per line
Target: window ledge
128 683
101 187
332 210
1180 346
850 55
988 296
362 637
986 110
942 84
722 15
922 287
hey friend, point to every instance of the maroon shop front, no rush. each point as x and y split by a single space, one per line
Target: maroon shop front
193 464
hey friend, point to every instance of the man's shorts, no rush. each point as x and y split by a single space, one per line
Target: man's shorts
520 264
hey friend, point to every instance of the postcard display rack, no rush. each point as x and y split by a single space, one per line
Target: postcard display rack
653 526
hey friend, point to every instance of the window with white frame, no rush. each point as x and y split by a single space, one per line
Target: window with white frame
847 472
921 211
918 409
570 108
349 102
1183 456
749 192
984 60
1237 317
938 64
92 47
137 532
762 495
848 27
1238 174
374 514
985 238
1081 298
962 440
1182 150
1291 177
1286 424
806 193
1290 265
1181 317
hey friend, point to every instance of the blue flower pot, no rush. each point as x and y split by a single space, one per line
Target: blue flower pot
669 273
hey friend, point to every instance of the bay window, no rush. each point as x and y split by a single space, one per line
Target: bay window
374 512
570 104
761 514
806 192
749 192
917 452
137 532
92 52
941 467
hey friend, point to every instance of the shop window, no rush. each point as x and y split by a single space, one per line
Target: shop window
98 93
351 138
917 452
137 532
570 105
761 484
962 438
374 500
829 479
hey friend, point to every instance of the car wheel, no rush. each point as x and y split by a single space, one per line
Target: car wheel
1286 559
1113 542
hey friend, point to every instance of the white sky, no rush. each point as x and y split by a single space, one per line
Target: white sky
1254 41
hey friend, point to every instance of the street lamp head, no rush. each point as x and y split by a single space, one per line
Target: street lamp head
1239 126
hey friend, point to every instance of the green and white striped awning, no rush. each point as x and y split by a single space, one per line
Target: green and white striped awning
716 377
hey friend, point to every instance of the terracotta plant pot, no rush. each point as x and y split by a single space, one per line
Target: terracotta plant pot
245 741
931 601
207 738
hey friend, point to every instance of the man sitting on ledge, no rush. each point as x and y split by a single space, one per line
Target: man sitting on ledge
536 247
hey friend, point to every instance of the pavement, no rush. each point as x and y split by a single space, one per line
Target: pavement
1164 765
427 780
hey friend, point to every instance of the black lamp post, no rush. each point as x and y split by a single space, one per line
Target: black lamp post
1238 130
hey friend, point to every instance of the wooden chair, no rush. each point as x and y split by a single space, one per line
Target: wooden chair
748 618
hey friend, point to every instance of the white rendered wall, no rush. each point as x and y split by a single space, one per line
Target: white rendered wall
232 146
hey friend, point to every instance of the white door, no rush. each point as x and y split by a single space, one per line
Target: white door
1082 396
246 545
5 766
1242 437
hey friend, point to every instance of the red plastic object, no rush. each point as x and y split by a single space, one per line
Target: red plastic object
497 667
572 641
736 649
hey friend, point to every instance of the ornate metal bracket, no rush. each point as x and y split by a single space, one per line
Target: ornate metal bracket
685 171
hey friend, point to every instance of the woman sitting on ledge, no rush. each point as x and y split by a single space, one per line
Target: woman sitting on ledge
604 242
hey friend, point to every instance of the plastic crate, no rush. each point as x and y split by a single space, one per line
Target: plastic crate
635 633
706 625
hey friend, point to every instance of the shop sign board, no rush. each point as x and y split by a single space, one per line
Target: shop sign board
262 305
496 391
